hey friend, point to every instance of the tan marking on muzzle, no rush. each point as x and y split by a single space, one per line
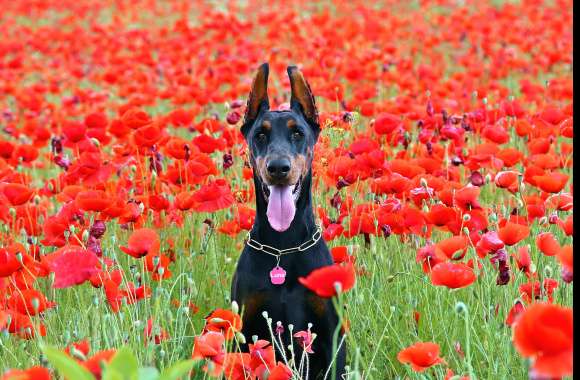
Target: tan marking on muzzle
291 123
298 169
266 125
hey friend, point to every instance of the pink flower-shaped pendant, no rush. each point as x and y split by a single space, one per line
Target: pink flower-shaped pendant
277 275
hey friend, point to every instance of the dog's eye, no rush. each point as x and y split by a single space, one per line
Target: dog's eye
297 135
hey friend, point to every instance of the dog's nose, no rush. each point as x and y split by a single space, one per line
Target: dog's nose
279 168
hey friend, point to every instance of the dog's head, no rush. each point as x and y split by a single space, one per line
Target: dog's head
281 144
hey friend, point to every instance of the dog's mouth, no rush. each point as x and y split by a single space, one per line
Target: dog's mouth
281 200
296 189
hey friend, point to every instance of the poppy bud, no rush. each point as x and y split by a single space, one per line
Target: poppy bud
493 217
85 235
548 271
98 229
95 142
233 117
72 228
36 199
567 275
35 304
12 212
77 354
235 307
236 103
484 101
466 217
338 287
265 314
460 308
161 353
240 337
476 179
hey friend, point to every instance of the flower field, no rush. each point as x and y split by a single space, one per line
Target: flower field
442 179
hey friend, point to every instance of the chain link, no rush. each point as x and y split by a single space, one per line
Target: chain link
272 251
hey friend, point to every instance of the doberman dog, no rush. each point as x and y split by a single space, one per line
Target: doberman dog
281 145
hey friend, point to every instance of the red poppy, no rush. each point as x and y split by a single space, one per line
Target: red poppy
466 198
262 356
544 333
210 346
280 372
341 254
305 339
489 242
135 118
155 333
326 281
142 242
237 366
421 356
224 321
508 180
9 259
548 244
387 123
513 233
212 197
566 258
158 265
72 266
514 313
16 193
96 362
552 183
454 247
29 302
32 373
452 275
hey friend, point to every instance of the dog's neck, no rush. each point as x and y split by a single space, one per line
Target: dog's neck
302 227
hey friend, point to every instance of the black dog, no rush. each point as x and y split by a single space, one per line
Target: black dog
281 147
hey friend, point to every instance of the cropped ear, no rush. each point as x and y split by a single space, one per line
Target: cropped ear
302 99
258 98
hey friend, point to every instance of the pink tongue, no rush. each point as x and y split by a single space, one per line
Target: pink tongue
281 208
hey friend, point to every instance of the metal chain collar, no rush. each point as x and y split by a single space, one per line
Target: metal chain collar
272 251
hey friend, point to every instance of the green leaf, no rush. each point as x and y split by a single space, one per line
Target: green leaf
112 374
177 371
148 373
65 365
124 363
